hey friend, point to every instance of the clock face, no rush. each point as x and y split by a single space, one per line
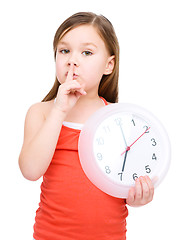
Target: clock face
120 143
125 147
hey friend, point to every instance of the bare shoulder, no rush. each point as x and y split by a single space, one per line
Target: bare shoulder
40 109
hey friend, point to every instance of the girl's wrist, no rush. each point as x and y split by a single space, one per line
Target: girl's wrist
58 110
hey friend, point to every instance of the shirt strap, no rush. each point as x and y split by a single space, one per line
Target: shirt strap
103 99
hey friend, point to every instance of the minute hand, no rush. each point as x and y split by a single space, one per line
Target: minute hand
128 148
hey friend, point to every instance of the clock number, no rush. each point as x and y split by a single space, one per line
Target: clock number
106 129
148 170
107 169
100 141
146 128
99 156
153 142
135 176
154 157
118 121
133 122
121 176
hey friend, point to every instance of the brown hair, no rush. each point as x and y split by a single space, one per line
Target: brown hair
108 87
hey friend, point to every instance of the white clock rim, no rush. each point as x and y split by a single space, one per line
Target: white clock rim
89 128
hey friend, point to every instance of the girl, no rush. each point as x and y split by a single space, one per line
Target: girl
71 207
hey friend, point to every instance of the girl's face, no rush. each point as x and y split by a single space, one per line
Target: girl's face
85 49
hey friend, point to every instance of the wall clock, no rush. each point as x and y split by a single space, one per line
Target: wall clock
121 142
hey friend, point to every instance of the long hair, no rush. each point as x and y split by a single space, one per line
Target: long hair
108 87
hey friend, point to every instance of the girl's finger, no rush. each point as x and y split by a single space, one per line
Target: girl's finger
138 190
70 73
145 188
73 87
150 186
131 196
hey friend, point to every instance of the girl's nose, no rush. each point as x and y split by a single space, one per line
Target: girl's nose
71 63
73 60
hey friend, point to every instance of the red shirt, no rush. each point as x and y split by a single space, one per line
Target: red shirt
71 207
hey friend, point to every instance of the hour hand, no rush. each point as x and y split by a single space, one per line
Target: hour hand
125 156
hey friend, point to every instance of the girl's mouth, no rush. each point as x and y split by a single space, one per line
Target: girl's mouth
75 76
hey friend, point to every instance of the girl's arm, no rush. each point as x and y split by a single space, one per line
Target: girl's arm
40 139
41 134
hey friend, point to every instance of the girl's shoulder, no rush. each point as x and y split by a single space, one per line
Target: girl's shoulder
40 109
36 115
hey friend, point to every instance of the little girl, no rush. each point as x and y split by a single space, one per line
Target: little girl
71 207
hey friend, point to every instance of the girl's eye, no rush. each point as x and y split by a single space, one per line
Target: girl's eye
87 53
64 51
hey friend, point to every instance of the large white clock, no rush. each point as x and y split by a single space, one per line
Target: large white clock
121 142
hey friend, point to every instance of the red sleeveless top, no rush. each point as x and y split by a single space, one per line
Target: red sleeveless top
71 207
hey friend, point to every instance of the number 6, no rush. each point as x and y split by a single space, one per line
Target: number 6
135 176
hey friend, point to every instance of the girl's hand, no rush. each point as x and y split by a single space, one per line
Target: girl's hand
142 193
69 92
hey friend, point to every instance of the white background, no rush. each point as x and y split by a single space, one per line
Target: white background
150 36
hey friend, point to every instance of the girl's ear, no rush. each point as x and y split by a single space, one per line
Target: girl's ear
110 65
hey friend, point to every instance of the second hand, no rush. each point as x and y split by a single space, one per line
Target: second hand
128 148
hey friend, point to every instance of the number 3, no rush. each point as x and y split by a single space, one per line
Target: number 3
153 142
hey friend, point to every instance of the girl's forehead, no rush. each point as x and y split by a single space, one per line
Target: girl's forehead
83 33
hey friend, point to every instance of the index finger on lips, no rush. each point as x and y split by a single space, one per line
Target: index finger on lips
70 73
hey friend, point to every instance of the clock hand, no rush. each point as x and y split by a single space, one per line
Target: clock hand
128 148
123 135
139 137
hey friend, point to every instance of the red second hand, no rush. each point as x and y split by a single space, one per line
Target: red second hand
128 148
